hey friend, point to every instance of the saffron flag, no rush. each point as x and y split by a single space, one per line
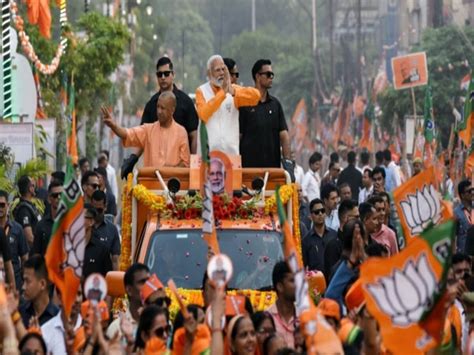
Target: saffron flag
208 224
65 253
299 128
419 204
428 124
71 137
465 127
369 117
406 293
469 166
320 336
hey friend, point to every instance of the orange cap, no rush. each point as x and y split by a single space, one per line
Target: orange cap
151 285
102 307
329 308
355 296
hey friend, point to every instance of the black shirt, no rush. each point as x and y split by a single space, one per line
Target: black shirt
332 254
27 311
4 247
107 234
26 214
353 177
260 127
96 259
18 248
185 113
313 247
111 203
42 236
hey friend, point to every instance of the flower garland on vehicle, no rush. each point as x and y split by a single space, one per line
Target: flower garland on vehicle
225 207
125 255
155 203
286 192
296 220
260 300
46 69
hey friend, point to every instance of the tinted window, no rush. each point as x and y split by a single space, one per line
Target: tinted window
182 256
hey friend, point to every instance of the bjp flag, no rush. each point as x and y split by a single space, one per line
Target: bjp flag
419 204
319 335
406 293
65 253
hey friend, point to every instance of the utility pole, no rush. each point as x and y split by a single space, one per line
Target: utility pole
359 45
254 22
331 39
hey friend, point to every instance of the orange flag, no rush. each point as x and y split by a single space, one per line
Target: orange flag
65 253
320 336
39 14
419 204
406 293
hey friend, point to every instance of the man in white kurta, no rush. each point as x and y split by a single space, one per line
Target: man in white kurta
218 102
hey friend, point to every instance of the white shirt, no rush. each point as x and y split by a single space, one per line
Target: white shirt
223 125
112 179
53 334
332 221
311 185
365 193
299 175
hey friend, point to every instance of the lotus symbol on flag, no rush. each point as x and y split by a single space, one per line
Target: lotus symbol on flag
406 294
74 245
421 208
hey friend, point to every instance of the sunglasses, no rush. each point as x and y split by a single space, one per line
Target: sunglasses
55 195
235 74
160 332
318 211
3 205
269 74
94 186
162 302
163 74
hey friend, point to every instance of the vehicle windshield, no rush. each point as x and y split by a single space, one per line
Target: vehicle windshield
182 256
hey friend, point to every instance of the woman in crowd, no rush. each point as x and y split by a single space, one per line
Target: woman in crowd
264 326
153 323
241 335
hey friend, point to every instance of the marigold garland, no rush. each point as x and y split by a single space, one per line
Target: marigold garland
155 203
260 300
28 47
296 221
225 207
125 255
286 192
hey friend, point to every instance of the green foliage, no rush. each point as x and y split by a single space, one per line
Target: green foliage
445 47
291 62
34 168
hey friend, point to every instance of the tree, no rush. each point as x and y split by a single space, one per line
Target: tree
96 47
447 50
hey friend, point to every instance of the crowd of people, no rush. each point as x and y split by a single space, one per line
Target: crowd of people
346 216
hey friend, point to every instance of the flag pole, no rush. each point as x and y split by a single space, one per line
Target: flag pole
413 101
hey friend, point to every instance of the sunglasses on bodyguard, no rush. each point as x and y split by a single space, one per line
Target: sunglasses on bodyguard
163 74
55 195
236 74
268 74
318 211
